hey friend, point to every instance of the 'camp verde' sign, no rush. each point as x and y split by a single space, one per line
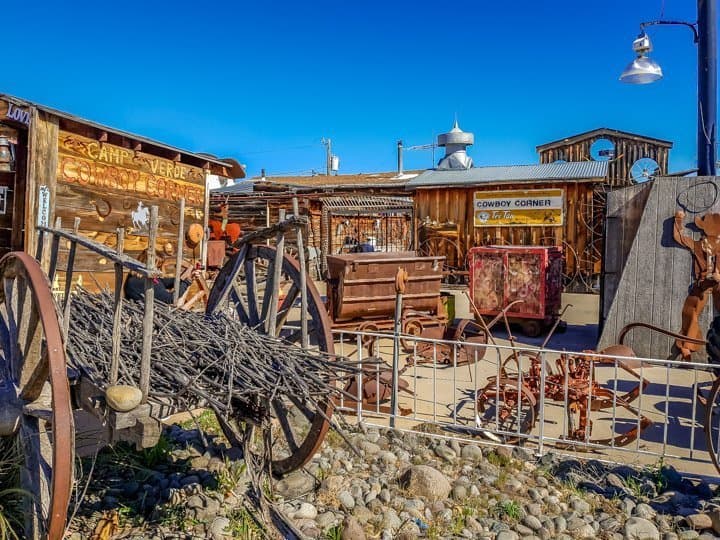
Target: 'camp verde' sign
88 162
539 207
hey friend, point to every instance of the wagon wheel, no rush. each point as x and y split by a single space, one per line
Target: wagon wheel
368 342
500 409
412 327
241 290
712 424
35 412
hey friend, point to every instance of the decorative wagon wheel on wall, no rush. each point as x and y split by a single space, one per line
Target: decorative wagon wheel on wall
243 288
436 246
36 421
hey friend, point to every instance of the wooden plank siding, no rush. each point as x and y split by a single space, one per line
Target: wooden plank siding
647 275
444 205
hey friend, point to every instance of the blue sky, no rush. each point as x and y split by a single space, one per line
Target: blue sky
264 81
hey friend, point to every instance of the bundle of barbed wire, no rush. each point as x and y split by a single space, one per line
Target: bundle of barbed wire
200 360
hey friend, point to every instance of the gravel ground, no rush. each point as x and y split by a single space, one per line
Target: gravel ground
402 485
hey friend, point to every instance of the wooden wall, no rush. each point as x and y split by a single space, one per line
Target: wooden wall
655 272
627 151
455 206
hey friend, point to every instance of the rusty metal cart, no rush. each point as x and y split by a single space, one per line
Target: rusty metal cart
41 391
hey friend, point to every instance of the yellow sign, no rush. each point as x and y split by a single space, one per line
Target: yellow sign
532 207
88 162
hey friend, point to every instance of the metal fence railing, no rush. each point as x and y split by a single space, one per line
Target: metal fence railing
619 409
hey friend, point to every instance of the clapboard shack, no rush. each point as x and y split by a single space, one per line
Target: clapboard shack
361 208
530 205
631 158
647 274
65 167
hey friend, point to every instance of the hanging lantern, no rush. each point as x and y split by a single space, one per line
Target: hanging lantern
6 158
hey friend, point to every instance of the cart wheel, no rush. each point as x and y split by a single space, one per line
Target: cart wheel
241 290
412 327
368 342
532 328
712 424
36 418
500 410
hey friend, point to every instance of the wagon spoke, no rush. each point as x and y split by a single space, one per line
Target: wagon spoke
284 421
270 285
15 360
236 296
251 283
286 306
36 475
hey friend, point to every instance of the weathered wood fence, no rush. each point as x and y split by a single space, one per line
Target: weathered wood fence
646 275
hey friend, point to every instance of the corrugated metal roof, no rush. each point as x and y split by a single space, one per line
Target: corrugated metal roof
344 180
582 171
236 189
368 203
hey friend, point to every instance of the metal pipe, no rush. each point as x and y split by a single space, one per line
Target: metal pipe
400 157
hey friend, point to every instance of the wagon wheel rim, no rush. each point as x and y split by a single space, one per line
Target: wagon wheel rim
497 409
712 424
240 285
34 383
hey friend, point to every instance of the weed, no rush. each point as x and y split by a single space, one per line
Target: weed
152 457
207 422
501 479
498 460
509 509
334 533
635 485
333 439
12 498
244 527
231 475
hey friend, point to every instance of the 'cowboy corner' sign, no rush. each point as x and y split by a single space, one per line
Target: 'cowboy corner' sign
532 207
88 162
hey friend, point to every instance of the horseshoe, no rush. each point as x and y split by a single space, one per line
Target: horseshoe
97 208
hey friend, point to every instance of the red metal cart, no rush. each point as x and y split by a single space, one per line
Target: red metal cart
500 275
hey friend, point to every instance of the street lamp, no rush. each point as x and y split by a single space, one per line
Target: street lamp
644 70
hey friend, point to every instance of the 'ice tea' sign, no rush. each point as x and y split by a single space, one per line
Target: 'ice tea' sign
44 206
540 207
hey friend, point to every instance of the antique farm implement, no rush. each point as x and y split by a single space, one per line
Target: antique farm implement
263 364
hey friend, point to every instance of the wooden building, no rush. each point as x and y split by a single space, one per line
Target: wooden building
539 205
66 167
363 208
631 158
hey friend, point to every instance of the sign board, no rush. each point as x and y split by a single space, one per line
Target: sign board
43 215
10 111
517 207
87 162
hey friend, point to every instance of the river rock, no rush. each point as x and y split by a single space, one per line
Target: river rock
123 397
424 481
699 521
637 528
352 530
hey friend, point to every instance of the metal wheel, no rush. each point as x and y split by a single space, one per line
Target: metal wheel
501 408
413 327
712 424
35 410
244 288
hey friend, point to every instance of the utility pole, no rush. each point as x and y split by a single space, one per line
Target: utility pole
328 157
399 157
707 86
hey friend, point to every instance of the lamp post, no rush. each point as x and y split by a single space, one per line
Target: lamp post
644 70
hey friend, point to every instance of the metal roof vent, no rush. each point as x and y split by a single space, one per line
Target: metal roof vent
456 142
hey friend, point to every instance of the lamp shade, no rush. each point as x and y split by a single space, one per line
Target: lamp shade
642 70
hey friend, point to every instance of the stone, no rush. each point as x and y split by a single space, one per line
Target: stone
326 520
459 492
369 448
637 528
388 458
424 481
644 511
507 535
295 484
586 531
220 528
123 397
346 499
445 452
391 521
699 521
580 506
715 518
306 511
472 452
532 522
352 530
